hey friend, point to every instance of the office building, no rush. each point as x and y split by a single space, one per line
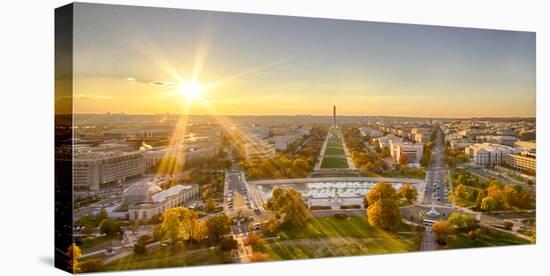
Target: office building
255 152
93 169
524 161
487 154
146 199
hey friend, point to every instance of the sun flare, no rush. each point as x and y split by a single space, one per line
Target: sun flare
191 90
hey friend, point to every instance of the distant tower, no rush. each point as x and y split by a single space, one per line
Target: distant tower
333 116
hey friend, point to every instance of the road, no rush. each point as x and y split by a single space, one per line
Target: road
237 195
429 242
436 190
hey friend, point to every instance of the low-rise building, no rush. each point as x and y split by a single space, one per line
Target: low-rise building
487 154
372 133
413 151
526 145
385 141
282 142
93 169
258 151
146 200
183 154
524 161
497 139
255 133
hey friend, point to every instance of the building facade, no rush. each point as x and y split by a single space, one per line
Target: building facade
524 161
91 170
413 152
487 154
151 201
255 152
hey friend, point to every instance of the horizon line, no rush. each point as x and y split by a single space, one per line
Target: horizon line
304 115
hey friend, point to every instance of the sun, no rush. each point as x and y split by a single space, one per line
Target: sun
191 90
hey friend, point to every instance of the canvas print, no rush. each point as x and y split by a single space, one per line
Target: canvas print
188 137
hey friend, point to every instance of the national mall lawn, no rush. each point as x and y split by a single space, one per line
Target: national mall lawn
321 237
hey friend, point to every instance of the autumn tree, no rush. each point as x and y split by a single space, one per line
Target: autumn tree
383 211
170 226
289 204
403 160
253 239
480 196
272 225
228 244
508 225
91 265
460 194
101 215
73 252
489 204
110 227
408 192
259 257
442 229
462 222
218 226
210 205
199 231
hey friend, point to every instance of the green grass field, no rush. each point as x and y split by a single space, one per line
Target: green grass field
166 257
325 237
335 156
334 163
490 238
334 149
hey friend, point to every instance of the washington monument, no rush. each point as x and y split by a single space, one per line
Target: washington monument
333 116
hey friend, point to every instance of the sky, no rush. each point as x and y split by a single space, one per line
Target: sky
140 60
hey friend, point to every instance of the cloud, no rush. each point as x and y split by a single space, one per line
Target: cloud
162 83
92 97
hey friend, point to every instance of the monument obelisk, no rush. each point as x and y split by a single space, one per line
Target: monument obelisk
334 116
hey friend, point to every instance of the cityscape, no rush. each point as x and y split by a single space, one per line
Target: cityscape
196 150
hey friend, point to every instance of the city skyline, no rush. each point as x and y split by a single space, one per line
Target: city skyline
199 62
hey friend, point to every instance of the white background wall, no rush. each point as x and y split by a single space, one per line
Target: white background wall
27 90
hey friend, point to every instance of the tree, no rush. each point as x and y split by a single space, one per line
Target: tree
480 196
460 194
300 164
200 231
288 203
101 215
259 257
462 222
227 163
109 227
512 196
508 225
408 192
170 225
442 229
141 245
210 205
253 239
228 244
472 235
403 160
489 204
91 265
272 225
178 246
385 152
383 211
218 226
86 220
73 252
